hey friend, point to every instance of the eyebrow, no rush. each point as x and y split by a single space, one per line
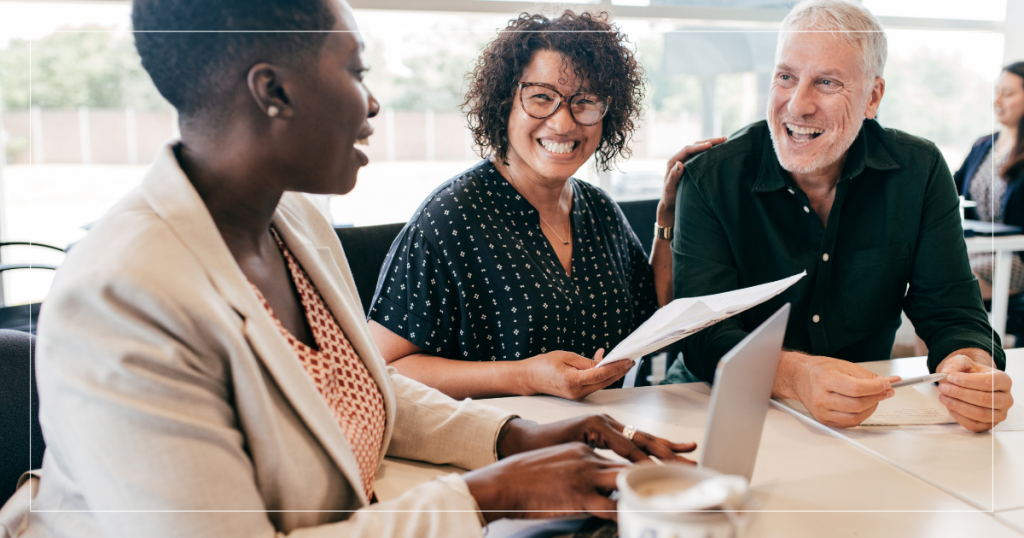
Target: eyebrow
826 73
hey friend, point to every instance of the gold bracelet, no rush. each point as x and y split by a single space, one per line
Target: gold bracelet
662 233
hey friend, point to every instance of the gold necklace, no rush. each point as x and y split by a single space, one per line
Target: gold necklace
550 227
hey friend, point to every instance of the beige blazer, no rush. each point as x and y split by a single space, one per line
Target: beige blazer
173 407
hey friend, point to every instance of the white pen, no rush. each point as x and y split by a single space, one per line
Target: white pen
917 380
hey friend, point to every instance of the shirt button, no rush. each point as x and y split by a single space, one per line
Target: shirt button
807 209
791 191
824 257
816 318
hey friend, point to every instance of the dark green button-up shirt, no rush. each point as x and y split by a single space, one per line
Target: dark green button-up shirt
893 242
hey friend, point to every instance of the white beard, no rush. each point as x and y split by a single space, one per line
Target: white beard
833 152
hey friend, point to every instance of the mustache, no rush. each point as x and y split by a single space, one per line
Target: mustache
806 121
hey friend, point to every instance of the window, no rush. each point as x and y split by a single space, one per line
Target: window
81 121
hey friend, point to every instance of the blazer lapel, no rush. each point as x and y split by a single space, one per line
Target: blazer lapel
172 196
318 251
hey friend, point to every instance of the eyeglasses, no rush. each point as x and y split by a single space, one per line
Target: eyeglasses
541 101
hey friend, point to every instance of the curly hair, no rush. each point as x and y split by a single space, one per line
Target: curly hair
594 49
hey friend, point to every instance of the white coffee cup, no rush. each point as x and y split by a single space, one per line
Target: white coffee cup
681 501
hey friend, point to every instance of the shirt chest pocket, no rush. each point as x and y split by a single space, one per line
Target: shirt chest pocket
874 282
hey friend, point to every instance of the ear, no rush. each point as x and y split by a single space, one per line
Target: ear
875 100
268 87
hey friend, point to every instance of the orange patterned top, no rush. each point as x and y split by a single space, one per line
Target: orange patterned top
338 373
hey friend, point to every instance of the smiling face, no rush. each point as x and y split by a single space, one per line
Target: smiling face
820 96
332 111
1009 105
554 148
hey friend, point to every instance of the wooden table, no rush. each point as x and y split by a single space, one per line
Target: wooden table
814 481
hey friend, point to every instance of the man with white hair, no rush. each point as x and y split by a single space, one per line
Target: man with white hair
870 213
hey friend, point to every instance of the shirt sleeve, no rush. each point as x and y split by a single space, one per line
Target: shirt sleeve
944 301
416 295
703 264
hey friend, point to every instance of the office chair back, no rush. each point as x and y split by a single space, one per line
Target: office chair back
641 216
21 439
366 247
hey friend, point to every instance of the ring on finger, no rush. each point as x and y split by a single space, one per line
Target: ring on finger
629 431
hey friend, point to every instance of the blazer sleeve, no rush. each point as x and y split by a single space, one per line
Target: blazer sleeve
432 427
141 423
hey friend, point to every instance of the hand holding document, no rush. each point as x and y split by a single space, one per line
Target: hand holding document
686 316
907 408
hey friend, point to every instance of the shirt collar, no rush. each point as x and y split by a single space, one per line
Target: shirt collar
867 151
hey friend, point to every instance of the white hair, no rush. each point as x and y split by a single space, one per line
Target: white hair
848 21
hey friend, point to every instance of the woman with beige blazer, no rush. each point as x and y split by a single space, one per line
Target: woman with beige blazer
184 367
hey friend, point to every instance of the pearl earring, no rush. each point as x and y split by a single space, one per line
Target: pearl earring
272 111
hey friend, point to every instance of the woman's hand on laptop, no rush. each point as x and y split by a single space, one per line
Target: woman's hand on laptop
549 482
838 393
597 431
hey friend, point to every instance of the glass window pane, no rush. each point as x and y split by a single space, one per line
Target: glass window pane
986 10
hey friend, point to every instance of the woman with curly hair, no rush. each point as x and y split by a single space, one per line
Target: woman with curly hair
512 273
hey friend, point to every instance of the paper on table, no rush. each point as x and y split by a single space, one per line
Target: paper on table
907 408
686 316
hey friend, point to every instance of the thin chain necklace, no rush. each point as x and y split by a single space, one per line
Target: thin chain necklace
550 227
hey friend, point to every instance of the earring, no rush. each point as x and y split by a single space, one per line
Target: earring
272 111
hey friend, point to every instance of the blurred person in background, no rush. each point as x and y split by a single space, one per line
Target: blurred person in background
993 174
512 273
204 365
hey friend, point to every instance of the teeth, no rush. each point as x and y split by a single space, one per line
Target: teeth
556 147
363 142
804 130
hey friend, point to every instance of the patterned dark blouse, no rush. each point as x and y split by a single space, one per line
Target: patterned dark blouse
472 276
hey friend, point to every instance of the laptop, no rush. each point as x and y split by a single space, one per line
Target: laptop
740 398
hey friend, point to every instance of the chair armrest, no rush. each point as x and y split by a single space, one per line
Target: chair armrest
12 266
28 244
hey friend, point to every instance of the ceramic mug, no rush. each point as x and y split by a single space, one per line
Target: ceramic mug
680 501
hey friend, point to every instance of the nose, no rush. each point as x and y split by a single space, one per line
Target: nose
374 107
801 100
561 121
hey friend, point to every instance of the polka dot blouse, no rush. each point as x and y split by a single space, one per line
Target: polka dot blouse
472 276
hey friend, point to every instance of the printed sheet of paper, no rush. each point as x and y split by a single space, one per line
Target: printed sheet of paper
907 408
684 317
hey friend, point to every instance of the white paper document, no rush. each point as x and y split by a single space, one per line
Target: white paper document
683 317
907 408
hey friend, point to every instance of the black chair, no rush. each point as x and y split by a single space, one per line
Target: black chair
366 247
641 216
23 317
21 439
